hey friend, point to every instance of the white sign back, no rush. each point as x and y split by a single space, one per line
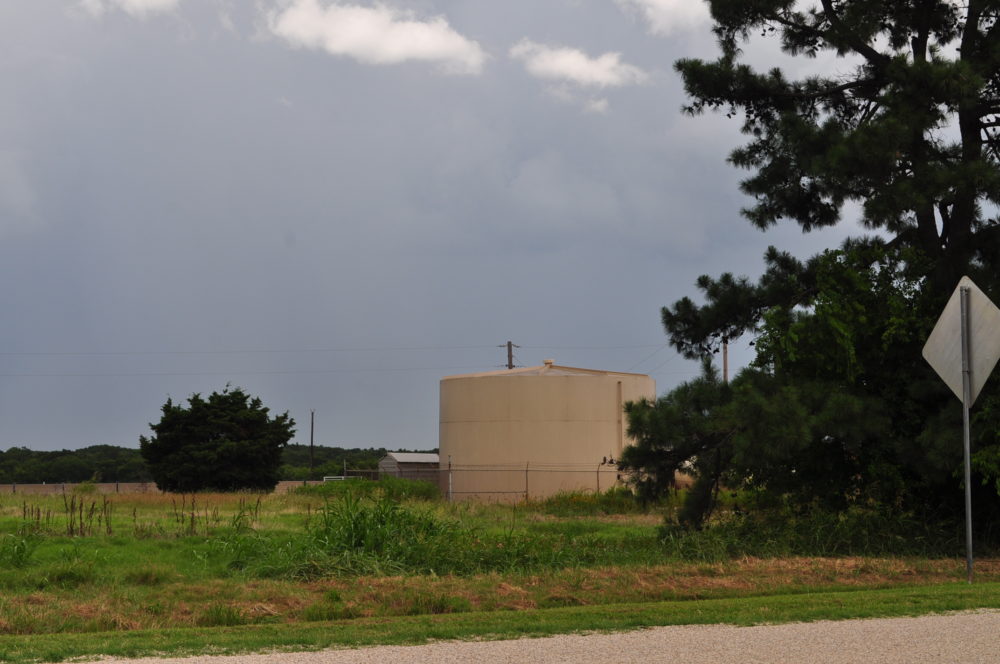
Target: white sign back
943 350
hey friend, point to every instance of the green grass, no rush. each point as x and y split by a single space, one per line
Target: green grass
393 488
443 625
246 571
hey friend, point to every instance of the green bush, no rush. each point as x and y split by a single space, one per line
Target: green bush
372 535
398 488
856 531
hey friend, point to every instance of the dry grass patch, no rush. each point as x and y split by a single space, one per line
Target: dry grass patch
232 601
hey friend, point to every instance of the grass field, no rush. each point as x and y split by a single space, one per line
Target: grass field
231 571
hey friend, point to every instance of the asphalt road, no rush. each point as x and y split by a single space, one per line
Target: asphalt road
969 638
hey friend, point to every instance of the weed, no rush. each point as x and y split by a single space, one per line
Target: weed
400 489
553 601
221 615
393 488
155 608
329 611
247 514
437 604
66 576
812 532
147 576
618 500
16 550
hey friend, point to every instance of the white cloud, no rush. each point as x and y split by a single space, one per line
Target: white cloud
669 16
570 65
378 35
136 8
226 20
599 105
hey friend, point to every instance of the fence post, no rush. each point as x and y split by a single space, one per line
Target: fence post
450 485
526 463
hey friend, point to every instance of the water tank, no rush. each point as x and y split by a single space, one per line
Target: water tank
532 432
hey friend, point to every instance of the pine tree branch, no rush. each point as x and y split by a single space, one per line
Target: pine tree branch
861 48
829 91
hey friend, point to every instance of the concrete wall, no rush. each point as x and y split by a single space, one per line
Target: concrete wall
545 428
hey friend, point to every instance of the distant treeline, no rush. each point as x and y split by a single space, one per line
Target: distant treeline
327 460
107 463
101 463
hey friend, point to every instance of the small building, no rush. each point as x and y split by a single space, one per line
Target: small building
410 465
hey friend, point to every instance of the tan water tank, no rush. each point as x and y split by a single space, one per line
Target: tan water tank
535 431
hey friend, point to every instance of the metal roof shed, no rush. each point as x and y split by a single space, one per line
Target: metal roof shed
410 465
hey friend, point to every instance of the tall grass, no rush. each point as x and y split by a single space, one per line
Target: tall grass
16 550
373 535
393 488
618 500
857 531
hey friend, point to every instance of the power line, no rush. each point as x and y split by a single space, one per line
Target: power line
592 347
278 372
260 351
275 351
649 357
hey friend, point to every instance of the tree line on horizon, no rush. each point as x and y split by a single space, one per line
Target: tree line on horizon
110 463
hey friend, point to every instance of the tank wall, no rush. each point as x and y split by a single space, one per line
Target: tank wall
547 433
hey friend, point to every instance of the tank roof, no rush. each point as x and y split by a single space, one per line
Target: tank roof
414 457
547 369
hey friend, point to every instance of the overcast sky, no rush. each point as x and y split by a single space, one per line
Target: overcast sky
335 204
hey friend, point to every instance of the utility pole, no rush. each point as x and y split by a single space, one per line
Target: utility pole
510 353
312 458
725 360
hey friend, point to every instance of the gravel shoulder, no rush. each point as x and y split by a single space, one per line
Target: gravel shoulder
968 637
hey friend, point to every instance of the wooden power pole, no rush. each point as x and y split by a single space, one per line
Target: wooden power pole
510 353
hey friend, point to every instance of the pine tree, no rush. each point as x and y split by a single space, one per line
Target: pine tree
839 406
909 127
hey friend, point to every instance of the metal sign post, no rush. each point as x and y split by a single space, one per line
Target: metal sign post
966 403
964 363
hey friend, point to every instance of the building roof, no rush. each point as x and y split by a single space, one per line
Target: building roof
550 368
413 457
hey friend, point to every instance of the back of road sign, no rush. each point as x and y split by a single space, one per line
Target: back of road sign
943 350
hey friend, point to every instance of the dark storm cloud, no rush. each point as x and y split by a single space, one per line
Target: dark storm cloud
192 195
